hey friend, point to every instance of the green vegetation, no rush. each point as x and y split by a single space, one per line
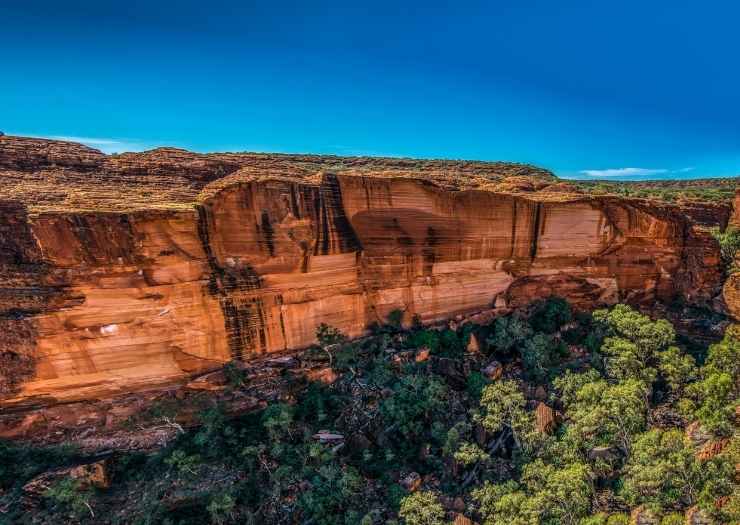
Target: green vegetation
706 190
415 431
729 244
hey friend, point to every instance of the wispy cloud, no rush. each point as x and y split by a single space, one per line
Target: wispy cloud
106 145
624 172
686 170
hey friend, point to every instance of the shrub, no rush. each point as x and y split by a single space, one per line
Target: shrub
425 338
69 495
221 508
618 519
509 333
183 463
334 491
674 518
235 376
550 315
416 401
470 454
395 319
328 335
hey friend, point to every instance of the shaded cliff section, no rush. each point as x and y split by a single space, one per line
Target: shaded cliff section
253 257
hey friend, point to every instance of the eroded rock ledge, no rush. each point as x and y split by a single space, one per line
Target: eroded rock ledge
237 257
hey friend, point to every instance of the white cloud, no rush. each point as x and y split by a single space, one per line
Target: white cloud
106 145
623 172
686 170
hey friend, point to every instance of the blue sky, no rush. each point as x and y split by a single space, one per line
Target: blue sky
590 89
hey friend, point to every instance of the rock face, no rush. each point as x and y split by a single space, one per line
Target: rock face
134 271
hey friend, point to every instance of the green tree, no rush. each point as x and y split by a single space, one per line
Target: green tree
729 243
334 491
662 471
551 314
562 494
546 495
607 415
470 454
505 504
221 508
623 359
422 508
417 400
717 391
569 384
502 404
676 367
649 336
540 352
509 333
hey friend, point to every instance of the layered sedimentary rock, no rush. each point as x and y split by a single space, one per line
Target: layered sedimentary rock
135 271
731 289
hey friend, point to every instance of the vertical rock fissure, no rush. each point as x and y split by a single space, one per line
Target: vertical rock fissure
244 317
536 231
514 209
335 233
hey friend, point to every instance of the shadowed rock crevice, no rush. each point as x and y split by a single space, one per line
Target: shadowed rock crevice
201 259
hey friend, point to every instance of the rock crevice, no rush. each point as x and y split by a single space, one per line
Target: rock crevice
118 301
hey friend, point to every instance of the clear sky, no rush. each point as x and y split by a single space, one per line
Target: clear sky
592 89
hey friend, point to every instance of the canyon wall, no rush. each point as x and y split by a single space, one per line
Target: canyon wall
247 259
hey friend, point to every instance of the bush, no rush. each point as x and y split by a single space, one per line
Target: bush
674 518
550 315
425 338
509 333
69 495
416 401
328 335
221 508
618 519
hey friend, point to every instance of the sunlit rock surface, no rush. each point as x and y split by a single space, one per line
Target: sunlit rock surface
135 271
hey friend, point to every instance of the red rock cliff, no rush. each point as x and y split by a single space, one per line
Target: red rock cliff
134 271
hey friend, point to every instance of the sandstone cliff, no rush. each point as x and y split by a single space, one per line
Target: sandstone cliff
129 272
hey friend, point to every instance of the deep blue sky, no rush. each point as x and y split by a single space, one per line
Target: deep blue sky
572 86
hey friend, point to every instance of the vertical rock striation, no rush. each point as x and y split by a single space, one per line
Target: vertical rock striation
244 258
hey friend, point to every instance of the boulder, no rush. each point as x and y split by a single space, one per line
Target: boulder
604 453
643 516
696 434
94 474
422 355
545 418
711 449
325 375
696 516
411 481
473 345
493 370
461 519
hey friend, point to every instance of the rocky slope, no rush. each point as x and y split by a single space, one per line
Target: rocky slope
130 272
